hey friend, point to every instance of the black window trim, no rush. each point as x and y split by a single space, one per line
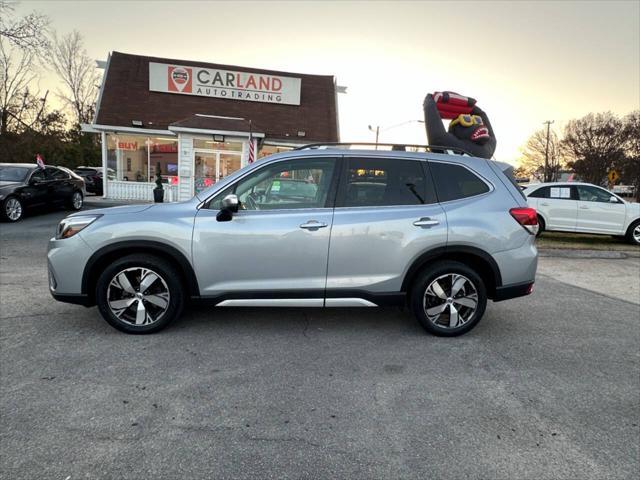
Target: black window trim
473 172
341 193
331 194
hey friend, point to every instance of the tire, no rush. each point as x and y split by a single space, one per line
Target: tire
161 305
541 226
12 209
633 233
76 201
471 289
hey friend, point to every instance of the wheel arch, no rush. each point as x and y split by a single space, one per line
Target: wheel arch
109 253
475 258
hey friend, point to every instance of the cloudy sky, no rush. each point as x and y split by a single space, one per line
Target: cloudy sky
525 62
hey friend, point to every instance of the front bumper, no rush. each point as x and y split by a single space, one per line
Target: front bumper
66 261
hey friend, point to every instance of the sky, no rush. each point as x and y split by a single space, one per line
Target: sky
525 62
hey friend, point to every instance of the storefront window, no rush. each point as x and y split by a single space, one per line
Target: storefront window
134 158
271 149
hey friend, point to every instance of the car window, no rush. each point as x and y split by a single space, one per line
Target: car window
540 193
593 194
38 175
385 182
9 173
455 181
56 173
561 192
303 183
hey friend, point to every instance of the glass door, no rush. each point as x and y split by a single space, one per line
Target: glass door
211 166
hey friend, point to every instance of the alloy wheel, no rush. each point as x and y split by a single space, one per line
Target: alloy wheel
76 200
138 296
13 209
450 300
636 234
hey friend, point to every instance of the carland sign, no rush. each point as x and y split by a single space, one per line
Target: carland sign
232 85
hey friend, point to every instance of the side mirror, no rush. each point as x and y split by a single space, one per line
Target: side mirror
230 202
613 199
228 207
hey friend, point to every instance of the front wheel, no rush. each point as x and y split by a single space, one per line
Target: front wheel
448 299
139 294
12 209
633 233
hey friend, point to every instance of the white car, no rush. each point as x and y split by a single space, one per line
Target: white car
584 208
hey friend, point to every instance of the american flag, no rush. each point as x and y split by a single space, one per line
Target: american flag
252 153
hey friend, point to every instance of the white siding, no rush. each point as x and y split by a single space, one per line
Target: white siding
185 167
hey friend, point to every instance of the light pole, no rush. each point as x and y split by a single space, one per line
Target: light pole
546 152
379 129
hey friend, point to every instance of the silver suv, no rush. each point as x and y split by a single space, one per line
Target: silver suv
326 226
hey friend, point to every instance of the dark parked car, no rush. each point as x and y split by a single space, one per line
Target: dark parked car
92 177
24 185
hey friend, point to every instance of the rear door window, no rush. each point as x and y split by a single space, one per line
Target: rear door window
378 182
455 181
542 192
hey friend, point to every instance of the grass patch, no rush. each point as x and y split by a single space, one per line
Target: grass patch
582 241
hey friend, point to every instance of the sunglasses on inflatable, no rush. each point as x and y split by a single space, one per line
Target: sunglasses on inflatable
466 120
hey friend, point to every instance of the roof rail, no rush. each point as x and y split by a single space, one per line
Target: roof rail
401 147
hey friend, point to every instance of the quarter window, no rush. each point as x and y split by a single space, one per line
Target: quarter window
372 182
454 182
283 185
540 193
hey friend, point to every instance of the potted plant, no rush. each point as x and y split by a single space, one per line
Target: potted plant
158 192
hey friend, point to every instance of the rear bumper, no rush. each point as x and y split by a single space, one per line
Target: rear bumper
513 291
74 299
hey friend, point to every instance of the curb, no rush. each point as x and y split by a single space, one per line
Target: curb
606 254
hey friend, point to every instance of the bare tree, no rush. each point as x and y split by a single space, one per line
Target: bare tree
630 166
533 154
27 32
595 144
78 73
22 40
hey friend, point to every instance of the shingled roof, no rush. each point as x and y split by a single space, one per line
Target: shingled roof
126 97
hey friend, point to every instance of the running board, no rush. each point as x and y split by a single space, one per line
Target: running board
297 302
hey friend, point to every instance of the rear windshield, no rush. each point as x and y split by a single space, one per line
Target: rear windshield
508 172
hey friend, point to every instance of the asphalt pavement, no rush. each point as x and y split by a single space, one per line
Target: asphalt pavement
546 387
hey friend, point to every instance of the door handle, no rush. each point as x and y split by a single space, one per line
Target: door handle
584 207
426 222
544 204
313 225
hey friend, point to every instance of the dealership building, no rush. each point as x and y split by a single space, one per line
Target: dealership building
201 121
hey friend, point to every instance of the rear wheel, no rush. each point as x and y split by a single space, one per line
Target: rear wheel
139 294
76 201
448 299
633 233
540 226
12 209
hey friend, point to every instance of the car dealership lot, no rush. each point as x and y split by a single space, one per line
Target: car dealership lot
546 386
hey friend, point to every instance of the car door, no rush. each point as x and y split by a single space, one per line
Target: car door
558 206
597 213
386 215
60 185
274 250
36 191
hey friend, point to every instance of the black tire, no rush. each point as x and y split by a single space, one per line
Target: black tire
132 264
633 240
71 202
444 269
8 212
541 226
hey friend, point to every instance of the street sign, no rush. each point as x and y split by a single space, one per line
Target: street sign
613 176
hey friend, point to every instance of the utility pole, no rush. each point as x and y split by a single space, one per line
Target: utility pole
547 177
377 130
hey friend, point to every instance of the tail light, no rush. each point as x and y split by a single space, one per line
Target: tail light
527 217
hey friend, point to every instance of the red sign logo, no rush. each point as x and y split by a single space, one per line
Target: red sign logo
179 79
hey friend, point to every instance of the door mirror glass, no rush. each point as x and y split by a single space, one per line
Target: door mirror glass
230 203
613 199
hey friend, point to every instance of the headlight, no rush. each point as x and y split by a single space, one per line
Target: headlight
70 226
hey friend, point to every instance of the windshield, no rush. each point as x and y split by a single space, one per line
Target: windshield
13 174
